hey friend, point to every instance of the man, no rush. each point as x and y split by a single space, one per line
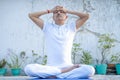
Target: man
59 39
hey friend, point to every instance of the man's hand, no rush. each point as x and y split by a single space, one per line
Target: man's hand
64 9
55 8
58 8
76 65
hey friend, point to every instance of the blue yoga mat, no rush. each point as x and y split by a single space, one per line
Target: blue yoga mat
56 79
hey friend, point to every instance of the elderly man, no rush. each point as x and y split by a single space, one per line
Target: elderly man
59 39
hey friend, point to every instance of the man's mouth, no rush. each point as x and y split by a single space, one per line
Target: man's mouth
59 15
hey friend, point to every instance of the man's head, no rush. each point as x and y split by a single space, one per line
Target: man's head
59 14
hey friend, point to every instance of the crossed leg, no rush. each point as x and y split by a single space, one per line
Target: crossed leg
75 71
82 72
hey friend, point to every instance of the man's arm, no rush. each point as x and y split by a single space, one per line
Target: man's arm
35 18
82 18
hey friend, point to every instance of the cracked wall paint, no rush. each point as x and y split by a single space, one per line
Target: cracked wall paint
18 32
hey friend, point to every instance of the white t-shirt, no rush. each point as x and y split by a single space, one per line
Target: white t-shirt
58 42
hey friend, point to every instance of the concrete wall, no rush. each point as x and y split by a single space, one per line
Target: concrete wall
19 33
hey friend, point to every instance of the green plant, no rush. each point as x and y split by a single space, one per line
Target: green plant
115 58
2 63
75 49
36 58
44 61
106 42
16 61
86 57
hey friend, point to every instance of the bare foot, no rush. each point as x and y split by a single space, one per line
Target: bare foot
70 68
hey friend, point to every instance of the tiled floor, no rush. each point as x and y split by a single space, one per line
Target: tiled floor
95 77
106 77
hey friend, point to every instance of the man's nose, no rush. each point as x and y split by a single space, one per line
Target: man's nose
59 12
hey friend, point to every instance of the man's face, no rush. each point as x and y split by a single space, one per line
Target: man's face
59 15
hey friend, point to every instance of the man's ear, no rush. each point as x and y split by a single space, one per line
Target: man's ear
66 17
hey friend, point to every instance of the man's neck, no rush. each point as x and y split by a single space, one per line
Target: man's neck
59 23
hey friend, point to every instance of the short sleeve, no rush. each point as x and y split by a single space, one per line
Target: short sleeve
72 26
46 24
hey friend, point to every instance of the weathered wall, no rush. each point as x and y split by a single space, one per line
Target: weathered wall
19 33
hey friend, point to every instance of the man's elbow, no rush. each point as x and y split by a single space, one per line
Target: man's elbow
87 16
30 15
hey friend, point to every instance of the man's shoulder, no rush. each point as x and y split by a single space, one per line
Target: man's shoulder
72 26
70 23
47 23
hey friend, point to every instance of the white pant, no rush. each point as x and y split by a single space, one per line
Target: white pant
37 70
